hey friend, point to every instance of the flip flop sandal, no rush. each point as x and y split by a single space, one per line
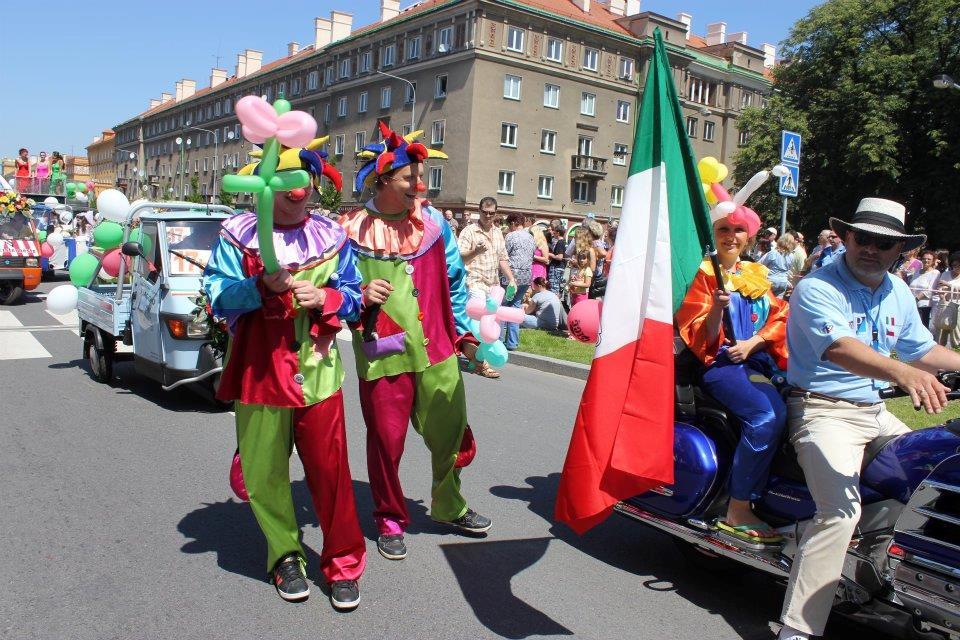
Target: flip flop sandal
487 372
742 532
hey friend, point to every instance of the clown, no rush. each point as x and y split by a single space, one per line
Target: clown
412 327
739 367
284 373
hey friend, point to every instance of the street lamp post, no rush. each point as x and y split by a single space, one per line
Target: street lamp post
943 81
413 93
216 158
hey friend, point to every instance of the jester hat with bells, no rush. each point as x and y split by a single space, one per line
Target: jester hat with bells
394 152
308 158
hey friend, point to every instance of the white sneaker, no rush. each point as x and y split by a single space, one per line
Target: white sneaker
789 633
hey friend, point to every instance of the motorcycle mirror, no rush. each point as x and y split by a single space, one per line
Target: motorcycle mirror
132 249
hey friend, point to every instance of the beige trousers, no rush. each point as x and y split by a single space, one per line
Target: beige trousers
830 438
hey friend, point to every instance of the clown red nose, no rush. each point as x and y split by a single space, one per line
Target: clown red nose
297 194
421 187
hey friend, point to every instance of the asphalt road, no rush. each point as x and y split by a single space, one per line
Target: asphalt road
117 522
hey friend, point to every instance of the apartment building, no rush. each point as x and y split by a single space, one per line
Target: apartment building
535 101
100 154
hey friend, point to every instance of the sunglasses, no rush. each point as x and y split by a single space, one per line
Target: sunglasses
867 239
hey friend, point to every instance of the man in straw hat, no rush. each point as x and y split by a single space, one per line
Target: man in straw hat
845 320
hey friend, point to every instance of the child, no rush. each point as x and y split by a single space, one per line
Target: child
581 275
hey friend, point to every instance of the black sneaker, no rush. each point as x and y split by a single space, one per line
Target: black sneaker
344 595
289 580
392 547
470 522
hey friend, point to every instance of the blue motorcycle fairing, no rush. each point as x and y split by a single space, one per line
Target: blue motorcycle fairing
905 462
919 530
786 500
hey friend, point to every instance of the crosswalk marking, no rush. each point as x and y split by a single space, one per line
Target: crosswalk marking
18 344
70 319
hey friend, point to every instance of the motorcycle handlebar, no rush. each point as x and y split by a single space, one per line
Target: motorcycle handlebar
947 378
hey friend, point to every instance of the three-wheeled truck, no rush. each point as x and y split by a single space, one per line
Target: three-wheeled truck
153 307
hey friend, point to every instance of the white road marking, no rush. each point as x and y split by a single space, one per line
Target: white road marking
70 319
18 345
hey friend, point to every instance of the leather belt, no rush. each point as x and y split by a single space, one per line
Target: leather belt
800 393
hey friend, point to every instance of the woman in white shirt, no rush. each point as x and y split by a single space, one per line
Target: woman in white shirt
944 321
923 284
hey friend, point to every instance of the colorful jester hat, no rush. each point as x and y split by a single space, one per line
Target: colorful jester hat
394 152
309 158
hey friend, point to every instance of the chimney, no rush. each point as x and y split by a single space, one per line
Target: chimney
686 20
217 77
769 54
716 33
241 65
254 60
188 87
633 7
389 9
322 30
618 7
293 48
165 97
739 36
155 102
342 24
178 90
584 5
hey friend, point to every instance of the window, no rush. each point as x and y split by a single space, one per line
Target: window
440 87
413 48
344 68
236 131
409 93
362 102
281 91
545 187
691 127
548 141
508 134
437 132
616 196
581 191
196 165
435 181
709 128
619 153
385 98
623 111
551 96
445 40
312 79
328 76
295 87
267 92
342 106
585 146
236 159
216 108
388 55
359 140
515 39
625 70
746 99
204 165
511 87
405 131
591 59
365 59
554 51
505 182
701 91
743 138
326 113
338 145
588 104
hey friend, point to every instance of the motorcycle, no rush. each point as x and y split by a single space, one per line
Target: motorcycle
895 468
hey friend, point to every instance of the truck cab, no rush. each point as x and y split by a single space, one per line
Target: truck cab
19 258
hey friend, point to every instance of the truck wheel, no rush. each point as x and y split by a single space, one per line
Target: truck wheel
10 291
101 360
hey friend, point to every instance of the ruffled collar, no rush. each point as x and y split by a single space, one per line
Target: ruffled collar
749 279
298 246
388 235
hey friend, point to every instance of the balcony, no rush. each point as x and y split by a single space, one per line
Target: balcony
588 167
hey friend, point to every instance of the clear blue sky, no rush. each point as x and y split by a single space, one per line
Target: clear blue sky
78 69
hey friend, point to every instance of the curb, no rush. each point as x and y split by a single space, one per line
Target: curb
550 365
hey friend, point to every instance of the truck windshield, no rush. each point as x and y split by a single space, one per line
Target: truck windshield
189 243
16 227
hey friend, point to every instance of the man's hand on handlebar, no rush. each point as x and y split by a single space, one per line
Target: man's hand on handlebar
925 389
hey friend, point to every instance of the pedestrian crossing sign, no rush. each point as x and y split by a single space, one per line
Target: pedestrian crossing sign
790 142
788 183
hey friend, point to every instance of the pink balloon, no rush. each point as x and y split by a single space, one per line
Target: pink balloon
510 314
489 328
476 307
747 217
584 320
496 293
46 250
720 192
296 129
111 262
91 184
258 118
252 136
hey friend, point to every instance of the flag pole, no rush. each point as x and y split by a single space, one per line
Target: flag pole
727 322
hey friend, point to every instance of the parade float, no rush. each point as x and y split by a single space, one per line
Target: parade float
19 247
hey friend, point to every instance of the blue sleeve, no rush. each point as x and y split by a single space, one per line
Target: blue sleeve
348 283
456 273
230 292
915 339
818 313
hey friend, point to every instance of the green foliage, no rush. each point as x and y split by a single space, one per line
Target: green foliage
857 80
195 195
330 198
227 199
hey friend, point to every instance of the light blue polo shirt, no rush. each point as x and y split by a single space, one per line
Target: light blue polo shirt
829 255
830 304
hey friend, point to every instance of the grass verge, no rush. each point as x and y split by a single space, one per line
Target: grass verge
903 409
542 343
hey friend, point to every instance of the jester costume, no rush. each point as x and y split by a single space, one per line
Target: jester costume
284 373
743 388
408 365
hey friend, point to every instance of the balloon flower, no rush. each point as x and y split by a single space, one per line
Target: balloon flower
722 204
270 126
486 314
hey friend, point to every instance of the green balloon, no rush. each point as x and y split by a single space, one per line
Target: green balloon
81 187
108 234
82 269
42 236
137 235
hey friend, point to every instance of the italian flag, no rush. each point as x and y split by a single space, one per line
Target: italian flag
622 442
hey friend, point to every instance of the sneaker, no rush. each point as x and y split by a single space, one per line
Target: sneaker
289 580
344 595
470 522
392 547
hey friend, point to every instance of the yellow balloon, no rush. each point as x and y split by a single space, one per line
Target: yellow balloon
707 191
721 172
708 169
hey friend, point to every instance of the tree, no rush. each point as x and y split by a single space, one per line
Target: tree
227 198
194 195
858 74
330 198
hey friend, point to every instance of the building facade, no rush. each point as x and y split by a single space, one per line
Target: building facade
100 155
535 101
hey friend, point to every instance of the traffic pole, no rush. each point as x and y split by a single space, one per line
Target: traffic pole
783 217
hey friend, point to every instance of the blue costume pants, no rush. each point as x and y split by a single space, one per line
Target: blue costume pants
749 395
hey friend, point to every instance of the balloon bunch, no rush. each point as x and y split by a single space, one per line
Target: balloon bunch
270 126
485 315
722 204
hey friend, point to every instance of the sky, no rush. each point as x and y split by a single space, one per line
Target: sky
79 69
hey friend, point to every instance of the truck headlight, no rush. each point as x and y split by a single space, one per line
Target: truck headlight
183 328
32 262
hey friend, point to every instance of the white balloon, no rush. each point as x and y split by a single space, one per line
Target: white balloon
725 208
50 201
81 197
62 300
752 185
113 205
55 239
779 171
65 217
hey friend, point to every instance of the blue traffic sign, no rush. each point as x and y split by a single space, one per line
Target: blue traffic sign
790 142
788 183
